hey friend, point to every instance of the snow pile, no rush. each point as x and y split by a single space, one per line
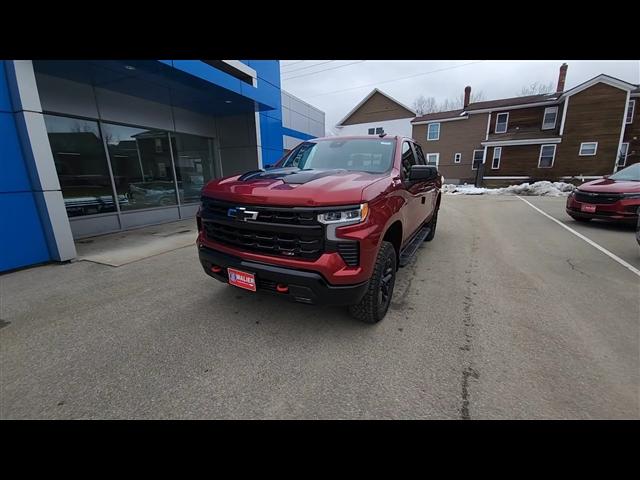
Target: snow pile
543 188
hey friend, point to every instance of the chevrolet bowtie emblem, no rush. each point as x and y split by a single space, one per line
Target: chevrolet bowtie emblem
242 214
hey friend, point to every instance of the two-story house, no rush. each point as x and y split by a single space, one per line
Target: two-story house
582 133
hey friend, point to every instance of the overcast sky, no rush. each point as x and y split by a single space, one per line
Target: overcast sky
317 79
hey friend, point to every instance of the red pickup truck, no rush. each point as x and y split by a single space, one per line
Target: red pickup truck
329 224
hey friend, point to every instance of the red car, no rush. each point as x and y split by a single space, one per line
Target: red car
615 198
329 224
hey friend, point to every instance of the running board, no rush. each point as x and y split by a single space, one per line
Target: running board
410 250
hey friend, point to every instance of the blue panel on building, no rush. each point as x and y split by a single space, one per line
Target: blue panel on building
268 70
22 242
14 176
296 134
5 101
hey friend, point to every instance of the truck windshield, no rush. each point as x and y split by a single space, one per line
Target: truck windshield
363 155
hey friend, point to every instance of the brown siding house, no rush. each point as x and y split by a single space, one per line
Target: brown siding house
458 138
572 135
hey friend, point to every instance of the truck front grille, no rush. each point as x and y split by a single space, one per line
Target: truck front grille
289 232
597 198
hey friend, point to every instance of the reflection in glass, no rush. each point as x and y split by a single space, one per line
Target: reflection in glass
141 164
81 164
195 164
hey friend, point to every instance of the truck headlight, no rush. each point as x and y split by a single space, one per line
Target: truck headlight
629 196
356 215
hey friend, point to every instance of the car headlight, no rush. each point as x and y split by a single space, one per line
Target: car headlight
352 216
628 196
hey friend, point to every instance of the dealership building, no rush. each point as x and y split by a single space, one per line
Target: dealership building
93 147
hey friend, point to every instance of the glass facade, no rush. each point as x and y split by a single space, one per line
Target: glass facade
142 167
195 164
81 165
146 167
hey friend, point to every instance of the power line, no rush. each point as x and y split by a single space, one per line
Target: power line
324 70
394 80
292 63
310 66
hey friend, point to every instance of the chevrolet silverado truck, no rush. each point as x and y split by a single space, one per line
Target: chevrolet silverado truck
330 223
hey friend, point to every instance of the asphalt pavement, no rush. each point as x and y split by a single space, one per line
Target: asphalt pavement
505 314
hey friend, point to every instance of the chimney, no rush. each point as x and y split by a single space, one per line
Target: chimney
562 77
467 96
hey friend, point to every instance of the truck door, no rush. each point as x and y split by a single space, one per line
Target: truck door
429 191
414 192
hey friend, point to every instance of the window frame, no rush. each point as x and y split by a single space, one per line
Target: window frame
630 112
493 157
404 175
429 129
595 150
457 157
473 157
553 157
555 118
506 123
437 154
626 154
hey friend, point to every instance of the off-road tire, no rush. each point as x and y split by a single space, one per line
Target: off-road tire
374 305
432 224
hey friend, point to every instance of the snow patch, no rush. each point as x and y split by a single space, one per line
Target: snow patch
543 188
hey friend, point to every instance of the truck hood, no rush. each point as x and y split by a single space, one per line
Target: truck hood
607 185
293 187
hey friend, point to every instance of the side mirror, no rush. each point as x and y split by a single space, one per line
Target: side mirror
422 173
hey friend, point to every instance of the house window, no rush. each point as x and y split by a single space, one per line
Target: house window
630 111
433 131
457 158
501 122
497 153
433 159
376 131
478 155
588 148
547 155
624 151
372 131
549 118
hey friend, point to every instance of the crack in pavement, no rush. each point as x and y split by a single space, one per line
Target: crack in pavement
467 303
573 267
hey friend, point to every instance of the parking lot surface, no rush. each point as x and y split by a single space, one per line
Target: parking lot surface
504 315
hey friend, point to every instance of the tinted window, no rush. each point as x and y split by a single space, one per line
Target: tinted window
408 159
421 160
365 155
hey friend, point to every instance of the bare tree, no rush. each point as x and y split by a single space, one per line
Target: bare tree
423 105
536 88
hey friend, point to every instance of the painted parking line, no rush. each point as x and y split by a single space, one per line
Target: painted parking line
588 240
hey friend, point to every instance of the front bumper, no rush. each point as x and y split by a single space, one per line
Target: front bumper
304 286
625 210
